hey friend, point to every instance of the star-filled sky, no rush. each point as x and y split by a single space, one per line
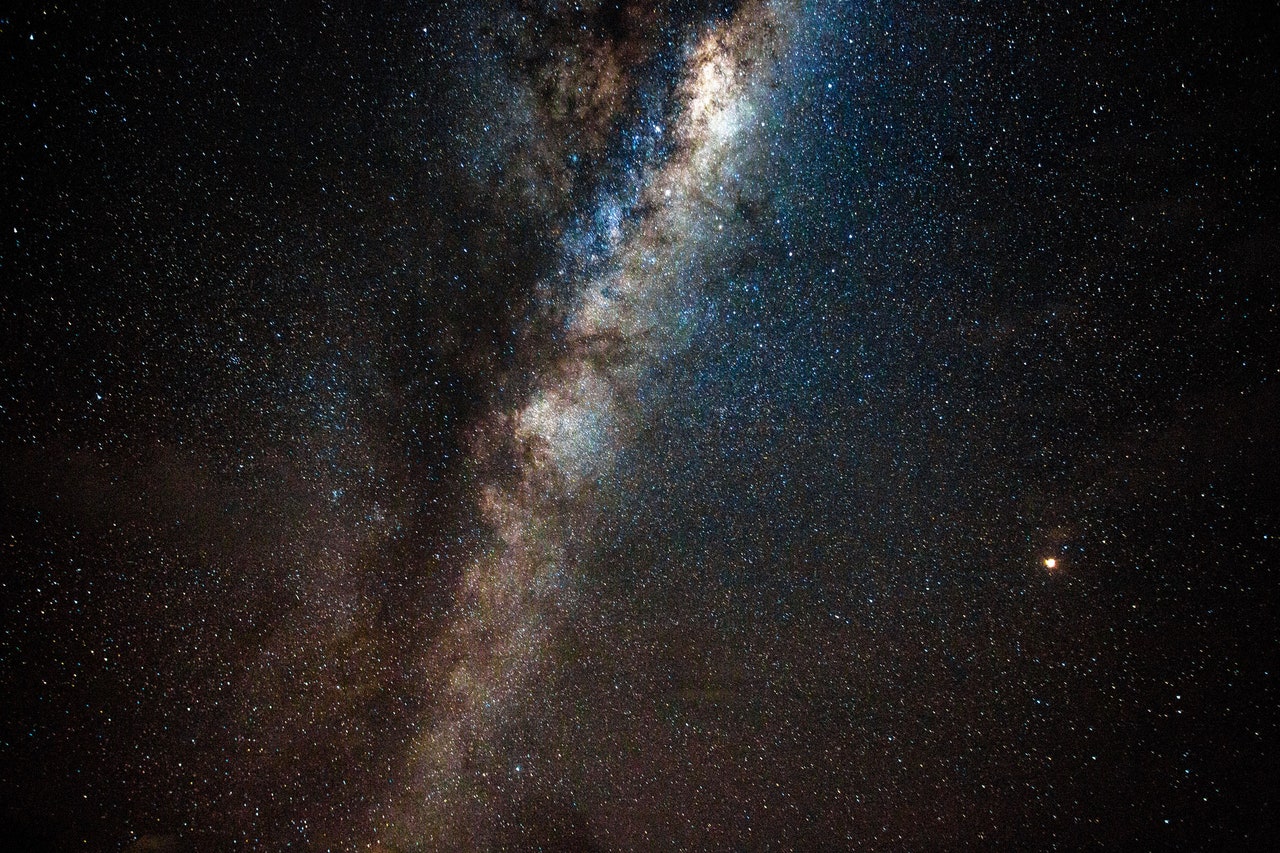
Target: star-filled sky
620 426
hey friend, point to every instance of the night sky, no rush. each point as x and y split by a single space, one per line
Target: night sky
518 425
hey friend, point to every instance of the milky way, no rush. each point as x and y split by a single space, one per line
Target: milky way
687 425
581 410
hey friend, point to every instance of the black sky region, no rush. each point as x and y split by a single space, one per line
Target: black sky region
934 505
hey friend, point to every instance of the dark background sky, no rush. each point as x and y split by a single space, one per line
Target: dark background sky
1007 291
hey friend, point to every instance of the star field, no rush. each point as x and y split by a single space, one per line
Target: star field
775 425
